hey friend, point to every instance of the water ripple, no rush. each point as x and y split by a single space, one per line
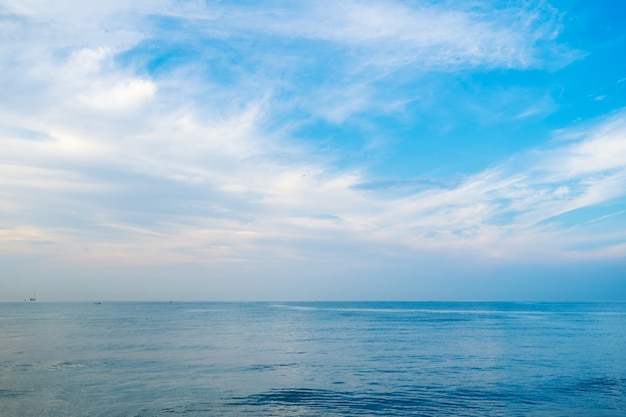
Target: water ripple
359 403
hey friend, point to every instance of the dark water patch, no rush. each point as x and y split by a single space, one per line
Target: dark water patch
597 385
606 385
9 393
498 398
16 367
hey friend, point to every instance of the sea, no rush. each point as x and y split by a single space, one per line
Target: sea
313 359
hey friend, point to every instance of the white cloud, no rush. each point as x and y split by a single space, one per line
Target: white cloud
122 96
495 213
103 161
605 150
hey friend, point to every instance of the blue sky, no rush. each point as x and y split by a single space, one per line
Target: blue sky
413 150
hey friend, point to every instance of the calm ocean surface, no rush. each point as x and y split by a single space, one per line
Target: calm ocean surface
313 359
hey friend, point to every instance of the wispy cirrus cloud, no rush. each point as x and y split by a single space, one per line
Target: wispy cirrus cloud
423 34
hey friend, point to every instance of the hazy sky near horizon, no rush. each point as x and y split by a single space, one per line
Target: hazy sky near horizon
305 150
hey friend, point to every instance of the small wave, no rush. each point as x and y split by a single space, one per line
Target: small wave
412 310
296 307
203 310
269 367
187 409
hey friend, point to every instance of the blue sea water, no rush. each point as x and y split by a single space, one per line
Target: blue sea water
313 359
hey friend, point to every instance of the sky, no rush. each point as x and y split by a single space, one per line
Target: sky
313 150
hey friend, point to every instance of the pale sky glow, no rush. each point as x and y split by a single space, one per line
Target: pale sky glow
205 150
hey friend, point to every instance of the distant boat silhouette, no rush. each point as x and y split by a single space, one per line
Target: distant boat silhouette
33 298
